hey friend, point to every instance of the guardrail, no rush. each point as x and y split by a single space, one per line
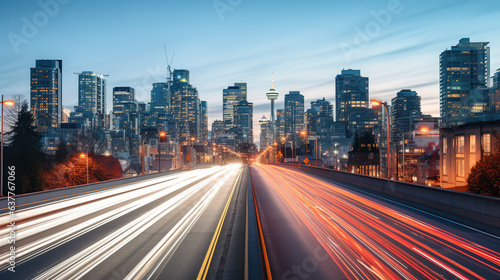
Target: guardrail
479 208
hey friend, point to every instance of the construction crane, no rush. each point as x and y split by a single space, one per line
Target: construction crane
169 64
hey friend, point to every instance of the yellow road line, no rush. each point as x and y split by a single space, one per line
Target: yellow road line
261 234
211 249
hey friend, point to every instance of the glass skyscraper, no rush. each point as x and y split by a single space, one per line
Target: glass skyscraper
230 97
243 122
46 94
351 101
464 78
91 98
294 114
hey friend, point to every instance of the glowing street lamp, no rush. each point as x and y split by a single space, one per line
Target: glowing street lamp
82 155
7 103
161 135
377 103
304 133
192 139
283 139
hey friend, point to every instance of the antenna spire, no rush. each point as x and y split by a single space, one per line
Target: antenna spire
272 79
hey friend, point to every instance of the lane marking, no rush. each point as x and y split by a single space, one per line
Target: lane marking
259 226
211 249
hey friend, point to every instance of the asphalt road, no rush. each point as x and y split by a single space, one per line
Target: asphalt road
169 227
316 228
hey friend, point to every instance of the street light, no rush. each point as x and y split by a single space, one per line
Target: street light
192 139
7 103
284 140
161 135
376 103
304 133
82 155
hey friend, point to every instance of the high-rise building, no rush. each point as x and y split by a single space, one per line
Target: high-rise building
265 133
92 102
243 122
160 93
405 112
351 100
125 109
184 105
217 130
203 122
464 72
230 97
243 87
496 79
494 92
46 94
294 114
280 124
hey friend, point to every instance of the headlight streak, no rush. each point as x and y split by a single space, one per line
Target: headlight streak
40 246
40 218
163 251
344 223
81 263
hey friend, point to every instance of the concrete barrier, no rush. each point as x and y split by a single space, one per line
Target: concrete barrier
475 207
34 197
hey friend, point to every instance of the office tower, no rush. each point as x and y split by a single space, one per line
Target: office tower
351 101
217 130
184 105
294 114
494 92
265 133
160 94
125 109
243 122
280 124
92 101
243 87
203 122
405 112
463 69
320 108
122 96
46 94
230 97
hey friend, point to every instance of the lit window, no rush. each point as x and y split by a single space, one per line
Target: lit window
445 145
445 168
486 142
460 167
472 144
460 144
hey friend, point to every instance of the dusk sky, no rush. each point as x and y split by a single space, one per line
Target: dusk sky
304 43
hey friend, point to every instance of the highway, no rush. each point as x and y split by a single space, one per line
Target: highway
170 227
316 228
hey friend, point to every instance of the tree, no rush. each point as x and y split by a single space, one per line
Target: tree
93 141
24 152
484 177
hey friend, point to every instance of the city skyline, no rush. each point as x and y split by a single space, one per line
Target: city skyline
406 39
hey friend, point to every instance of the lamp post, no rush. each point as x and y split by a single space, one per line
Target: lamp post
376 103
160 136
303 133
82 155
192 139
4 103
283 139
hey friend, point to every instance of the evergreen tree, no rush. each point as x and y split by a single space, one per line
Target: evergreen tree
24 152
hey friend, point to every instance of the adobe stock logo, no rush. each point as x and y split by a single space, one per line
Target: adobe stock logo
223 6
30 27
372 29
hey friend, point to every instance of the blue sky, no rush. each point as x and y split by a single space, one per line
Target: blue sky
225 41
